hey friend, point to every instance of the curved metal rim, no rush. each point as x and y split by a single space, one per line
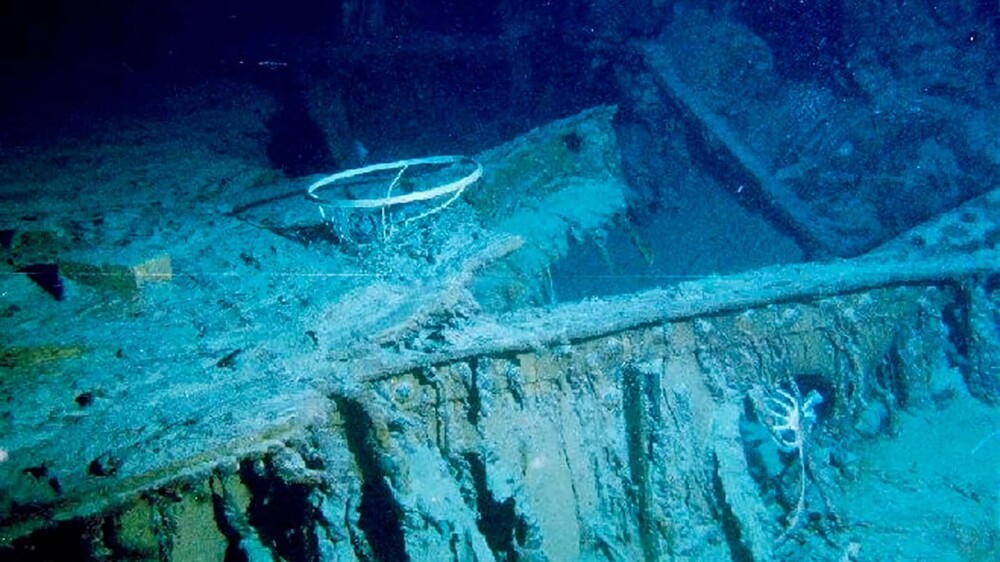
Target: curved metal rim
441 190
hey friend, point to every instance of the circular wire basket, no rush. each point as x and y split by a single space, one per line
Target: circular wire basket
372 203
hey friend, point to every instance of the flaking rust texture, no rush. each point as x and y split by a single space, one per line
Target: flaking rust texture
626 442
640 444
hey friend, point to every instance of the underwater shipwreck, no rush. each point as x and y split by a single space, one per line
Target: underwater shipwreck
704 322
